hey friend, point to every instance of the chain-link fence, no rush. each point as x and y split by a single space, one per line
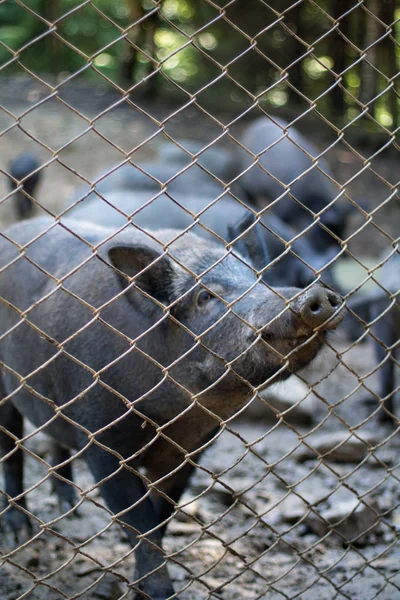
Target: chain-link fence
199 320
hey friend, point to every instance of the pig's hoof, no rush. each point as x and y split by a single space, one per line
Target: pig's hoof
16 523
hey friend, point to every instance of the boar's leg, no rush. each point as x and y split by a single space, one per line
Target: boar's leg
124 493
385 331
173 487
65 491
14 519
180 469
386 373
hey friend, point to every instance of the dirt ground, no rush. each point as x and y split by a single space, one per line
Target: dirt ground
255 533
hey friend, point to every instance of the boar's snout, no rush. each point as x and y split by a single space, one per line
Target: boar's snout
292 332
296 334
319 307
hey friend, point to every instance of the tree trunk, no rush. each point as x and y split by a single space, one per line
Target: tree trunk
294 50
151 87
136 35
368 74
338 51
51 13
388 59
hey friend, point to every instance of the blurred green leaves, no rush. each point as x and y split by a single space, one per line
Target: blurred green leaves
190 42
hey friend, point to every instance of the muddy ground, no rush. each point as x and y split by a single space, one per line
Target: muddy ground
251 536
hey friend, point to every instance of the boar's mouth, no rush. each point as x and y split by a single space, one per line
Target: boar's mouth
286 347
294 352
297 343
274 335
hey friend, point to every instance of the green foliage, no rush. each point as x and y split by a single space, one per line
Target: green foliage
194 46
16 27
84 30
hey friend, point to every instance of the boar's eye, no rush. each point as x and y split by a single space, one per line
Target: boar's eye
203 297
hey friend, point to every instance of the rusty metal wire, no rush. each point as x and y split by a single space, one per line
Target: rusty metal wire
287 502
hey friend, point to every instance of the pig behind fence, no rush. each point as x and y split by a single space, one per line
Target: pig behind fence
278 156
379 312
128 190
263 239
132 351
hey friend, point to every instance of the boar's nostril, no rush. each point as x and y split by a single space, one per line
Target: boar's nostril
334 300
317 306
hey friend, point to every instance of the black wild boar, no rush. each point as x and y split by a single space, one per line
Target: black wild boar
219 214
381 313
217 159
291 261
284 155
179 174
128 191
146 347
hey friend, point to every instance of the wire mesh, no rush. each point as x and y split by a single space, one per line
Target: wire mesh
171 413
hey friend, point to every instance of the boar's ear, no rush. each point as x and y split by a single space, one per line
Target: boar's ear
237 229
155 279
251 243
